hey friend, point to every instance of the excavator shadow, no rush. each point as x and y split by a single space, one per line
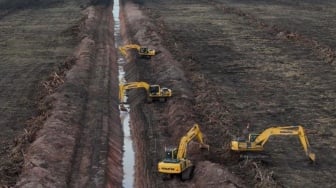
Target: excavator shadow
263 157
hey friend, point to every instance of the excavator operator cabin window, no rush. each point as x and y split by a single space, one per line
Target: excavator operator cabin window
154 89
143 50
175 153
168 154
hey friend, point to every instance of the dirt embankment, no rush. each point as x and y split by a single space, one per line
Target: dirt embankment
81 138
242 71
35 51
157 125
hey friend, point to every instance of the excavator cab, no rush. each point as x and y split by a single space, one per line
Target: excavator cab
143 50
154 89
252 137
171 155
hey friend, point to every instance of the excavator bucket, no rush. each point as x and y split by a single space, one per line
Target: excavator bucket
204 146
312 157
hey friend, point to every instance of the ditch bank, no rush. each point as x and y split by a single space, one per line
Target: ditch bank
80 141
157 125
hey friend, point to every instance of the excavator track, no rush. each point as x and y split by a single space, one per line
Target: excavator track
187 173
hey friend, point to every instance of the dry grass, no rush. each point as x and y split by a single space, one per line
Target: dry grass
33 125
34 50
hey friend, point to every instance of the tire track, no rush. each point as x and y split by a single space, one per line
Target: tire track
90 160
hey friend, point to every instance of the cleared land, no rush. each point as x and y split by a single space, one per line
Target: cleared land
229 63
34 42
59 127
250 62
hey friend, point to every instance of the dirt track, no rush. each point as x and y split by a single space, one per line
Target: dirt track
229 63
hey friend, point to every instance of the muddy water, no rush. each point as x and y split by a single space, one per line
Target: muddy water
128 156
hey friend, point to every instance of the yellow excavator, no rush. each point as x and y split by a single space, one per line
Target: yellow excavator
154 92
142 51
256 142
175 161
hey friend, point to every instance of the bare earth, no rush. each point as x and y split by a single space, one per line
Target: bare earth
238 63
229 63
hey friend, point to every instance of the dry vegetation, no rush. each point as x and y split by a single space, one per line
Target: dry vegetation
257 62
34 58
228 62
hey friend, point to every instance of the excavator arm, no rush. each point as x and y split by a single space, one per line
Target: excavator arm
192 133
131 85
256 142
123 49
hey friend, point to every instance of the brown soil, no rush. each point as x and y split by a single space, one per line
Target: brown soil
34 57
157 125
82 136
76 134
228 63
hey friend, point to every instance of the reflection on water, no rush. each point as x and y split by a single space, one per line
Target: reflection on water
128 156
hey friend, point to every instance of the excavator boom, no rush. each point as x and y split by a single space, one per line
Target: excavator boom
256 142
131 85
